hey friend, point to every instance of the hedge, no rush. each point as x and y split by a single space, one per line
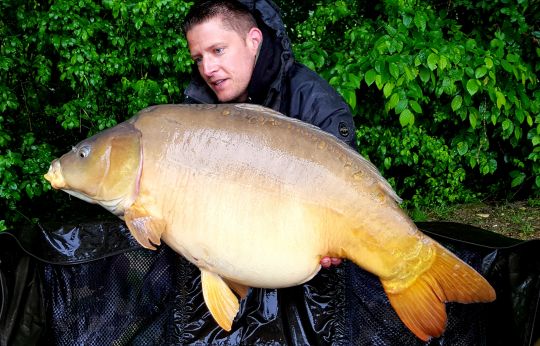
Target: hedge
445 94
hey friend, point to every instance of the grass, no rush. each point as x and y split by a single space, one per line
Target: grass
519 219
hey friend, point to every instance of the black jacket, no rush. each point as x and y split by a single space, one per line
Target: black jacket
281 83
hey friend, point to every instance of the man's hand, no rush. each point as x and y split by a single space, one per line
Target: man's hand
327 262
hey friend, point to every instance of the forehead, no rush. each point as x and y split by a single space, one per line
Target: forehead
210 32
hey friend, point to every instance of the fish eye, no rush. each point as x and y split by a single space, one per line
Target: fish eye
83 152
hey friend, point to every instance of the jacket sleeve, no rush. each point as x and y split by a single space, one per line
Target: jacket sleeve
314 101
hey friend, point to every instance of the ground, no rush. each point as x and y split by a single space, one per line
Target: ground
519 220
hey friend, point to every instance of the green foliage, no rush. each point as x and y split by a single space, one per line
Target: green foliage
445 94
71 68
446 97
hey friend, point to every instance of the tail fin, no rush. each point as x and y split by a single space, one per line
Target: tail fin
421 305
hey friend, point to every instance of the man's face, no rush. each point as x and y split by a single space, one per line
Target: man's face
224 58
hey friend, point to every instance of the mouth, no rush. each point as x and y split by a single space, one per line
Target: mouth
218 83
54 175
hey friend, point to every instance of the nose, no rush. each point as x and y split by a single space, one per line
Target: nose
208 67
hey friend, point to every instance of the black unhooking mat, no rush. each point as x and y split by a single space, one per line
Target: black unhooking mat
91 284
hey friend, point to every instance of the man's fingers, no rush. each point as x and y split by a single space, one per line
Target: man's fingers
327 262
335 261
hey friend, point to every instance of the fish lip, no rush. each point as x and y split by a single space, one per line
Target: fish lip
54 175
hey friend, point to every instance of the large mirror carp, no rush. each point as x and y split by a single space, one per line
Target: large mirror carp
256 199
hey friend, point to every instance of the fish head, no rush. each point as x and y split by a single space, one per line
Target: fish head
103 169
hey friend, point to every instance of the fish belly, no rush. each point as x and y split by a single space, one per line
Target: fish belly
257 238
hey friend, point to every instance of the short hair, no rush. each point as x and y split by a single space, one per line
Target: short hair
234 15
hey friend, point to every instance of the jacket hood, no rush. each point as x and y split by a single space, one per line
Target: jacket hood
275 59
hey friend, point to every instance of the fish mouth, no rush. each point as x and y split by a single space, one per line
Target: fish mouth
54 175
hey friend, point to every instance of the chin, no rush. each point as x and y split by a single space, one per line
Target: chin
228 98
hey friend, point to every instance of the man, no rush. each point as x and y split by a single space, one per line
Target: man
240 58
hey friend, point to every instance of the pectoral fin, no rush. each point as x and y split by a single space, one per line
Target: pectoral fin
219 299
241 290
145 228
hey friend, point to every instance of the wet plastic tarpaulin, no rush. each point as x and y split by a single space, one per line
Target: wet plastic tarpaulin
91 284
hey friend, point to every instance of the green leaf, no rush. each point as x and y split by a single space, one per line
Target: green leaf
379 81
470 44
492 164
506 124
410 74
462 148
394 99
472 161
406 118
443 62
350 97
473 117
394 70
420 21
456 103
501 100
407 20
518 178
387 90
432 61
370 77
488 62
494 118
520 115
402 104
480 72
517 132
472 86
354 79
424 74
506 66
512 58
387 162
334 81
415 106
318 59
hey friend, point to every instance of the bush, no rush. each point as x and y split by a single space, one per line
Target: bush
71 68
445 94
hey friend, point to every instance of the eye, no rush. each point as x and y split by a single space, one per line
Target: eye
83 151
219 51
197 60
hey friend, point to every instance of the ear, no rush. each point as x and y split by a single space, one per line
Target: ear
254 39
